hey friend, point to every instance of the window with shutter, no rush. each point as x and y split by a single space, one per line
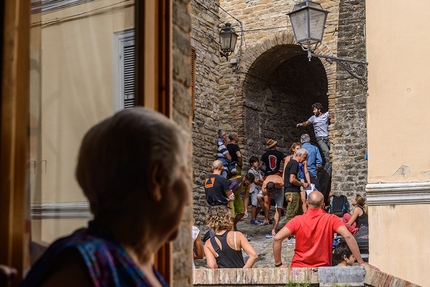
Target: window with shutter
127 85
124 70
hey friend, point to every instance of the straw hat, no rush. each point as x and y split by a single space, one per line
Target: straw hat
271 143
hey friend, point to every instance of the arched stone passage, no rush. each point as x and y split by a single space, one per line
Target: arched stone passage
279 89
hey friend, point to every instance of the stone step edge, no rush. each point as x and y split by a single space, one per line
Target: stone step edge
322 275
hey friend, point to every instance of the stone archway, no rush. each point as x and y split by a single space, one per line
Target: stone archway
279 86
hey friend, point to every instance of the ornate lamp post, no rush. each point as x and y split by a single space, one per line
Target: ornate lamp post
228 38
308 20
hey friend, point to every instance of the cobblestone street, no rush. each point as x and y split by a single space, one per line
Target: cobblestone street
263 246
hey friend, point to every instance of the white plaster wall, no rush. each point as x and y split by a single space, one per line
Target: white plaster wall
398 134
76 93
76 87
399 241
397 49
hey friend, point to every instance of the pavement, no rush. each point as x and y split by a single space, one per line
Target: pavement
263 245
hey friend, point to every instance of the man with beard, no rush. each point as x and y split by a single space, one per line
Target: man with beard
320 121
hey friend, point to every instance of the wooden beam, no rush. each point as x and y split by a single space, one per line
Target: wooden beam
154 80
14 231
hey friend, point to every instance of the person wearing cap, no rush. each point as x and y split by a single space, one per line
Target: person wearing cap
223 155
314 159
273 186
272 158
320 121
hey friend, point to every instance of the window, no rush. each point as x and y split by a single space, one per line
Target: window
123 70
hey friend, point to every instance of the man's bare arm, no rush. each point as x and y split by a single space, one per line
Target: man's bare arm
294 181
277 244
239 158
303 124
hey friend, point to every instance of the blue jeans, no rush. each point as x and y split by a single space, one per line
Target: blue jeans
324 144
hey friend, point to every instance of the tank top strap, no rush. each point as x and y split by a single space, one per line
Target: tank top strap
235 246
222 238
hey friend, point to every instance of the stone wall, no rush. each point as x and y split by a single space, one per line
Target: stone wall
349 106
207 115
266 94
182 252
260 52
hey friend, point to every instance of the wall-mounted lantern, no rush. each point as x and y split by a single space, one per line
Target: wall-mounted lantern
228 39
308 20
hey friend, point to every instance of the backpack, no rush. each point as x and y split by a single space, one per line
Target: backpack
339 205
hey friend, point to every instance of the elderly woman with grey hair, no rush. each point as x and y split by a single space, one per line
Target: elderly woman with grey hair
137 198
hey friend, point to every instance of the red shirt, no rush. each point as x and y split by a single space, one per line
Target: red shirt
314 233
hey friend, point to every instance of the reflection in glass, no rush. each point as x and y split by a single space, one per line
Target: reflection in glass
82 71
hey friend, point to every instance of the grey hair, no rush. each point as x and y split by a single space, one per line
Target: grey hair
301 151
221 133
305 138
117 156
232 136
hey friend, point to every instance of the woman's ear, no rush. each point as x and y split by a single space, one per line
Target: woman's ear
156 174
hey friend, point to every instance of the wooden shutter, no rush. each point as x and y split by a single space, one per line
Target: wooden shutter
128 74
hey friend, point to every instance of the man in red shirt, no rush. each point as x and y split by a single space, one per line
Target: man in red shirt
314 233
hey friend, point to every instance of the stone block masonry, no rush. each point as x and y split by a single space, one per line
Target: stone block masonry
348 129
206 121
324 276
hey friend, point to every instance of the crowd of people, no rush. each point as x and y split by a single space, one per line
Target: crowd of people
294 184
129 182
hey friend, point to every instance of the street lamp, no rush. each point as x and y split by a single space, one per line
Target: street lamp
228 38
308 20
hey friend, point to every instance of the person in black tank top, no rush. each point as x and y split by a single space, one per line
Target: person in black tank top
224 249
359 217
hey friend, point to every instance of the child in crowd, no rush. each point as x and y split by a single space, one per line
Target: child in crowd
342 255
257 200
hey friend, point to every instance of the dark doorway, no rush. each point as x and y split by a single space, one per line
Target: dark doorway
279 89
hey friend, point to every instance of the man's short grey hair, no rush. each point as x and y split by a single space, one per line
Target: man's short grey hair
117 155
305 138
232 136
221 133
301 151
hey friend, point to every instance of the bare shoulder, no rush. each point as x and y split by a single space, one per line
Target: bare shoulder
69 265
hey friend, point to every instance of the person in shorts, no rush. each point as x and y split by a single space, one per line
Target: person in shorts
237 185
273 186
257 200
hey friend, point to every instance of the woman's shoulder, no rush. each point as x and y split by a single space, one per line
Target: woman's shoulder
358 210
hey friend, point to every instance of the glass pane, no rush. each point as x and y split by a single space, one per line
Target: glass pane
317 23
299 21
83 72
